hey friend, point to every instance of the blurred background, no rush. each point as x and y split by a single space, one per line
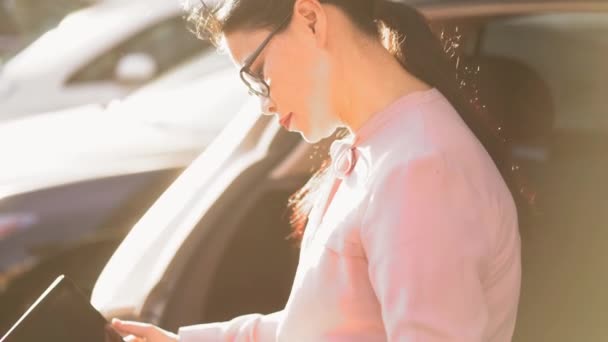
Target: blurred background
22 21
133 160
100 110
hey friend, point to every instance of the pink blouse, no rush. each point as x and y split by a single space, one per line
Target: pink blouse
418 241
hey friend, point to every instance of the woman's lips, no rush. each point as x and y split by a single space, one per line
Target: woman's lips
285 121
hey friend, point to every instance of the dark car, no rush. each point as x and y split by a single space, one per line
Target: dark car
214 245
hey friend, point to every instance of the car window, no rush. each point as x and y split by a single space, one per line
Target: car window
555 99
168 42
569 51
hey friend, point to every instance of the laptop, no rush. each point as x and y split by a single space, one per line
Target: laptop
63 314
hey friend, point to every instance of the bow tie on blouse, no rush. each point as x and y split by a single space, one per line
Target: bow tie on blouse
343 157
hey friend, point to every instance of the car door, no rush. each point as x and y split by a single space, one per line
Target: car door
562 144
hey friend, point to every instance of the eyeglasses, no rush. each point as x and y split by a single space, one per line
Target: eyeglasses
257 86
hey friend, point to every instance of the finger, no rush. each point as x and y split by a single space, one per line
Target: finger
131 327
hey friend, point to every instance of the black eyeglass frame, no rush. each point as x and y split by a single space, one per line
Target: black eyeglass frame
245 69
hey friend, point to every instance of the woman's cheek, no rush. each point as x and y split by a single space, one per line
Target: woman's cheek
303 88
320 94
288 89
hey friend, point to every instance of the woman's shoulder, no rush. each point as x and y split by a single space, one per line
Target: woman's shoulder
402 149
409 135
414 172
431 135
397 166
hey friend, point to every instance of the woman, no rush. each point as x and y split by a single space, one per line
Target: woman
413 235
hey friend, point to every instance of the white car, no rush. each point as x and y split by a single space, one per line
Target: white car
96 54
73 182
171 119
213 245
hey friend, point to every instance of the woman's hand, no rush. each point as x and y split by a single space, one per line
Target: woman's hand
143 332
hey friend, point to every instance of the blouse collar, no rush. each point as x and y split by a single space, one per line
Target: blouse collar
343 151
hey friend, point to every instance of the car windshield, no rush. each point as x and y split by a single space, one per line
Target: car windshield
183 87
159 107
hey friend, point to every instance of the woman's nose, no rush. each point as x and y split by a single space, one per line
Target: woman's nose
268 106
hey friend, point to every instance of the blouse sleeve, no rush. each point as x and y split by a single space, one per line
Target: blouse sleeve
246 328
424 246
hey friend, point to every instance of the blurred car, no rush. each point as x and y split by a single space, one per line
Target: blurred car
95 55
213 246
73 183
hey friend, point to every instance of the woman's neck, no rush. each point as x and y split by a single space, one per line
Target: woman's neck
372 79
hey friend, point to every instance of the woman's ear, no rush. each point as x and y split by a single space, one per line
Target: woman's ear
312 14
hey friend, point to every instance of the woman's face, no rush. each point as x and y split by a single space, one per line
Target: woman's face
298 70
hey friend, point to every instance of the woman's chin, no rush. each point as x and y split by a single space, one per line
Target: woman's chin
309 138
314 137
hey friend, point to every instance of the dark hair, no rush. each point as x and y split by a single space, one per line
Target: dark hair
399 26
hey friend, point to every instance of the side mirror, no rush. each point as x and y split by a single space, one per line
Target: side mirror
136 68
